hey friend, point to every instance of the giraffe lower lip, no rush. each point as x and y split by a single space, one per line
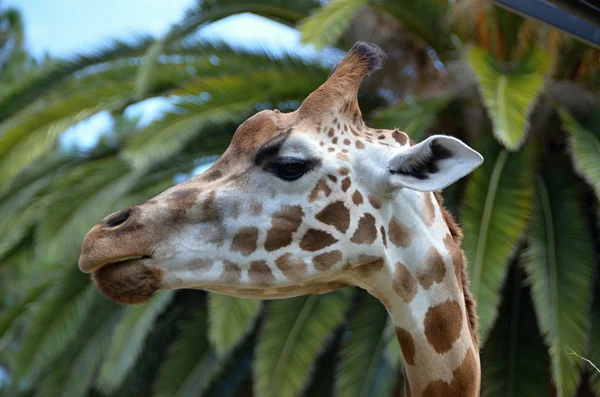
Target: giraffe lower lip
129 281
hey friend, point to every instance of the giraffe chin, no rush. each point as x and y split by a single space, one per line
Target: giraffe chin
129 282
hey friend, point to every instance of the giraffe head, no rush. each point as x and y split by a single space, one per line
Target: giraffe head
293 206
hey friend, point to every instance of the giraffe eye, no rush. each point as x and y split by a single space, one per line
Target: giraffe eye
289 168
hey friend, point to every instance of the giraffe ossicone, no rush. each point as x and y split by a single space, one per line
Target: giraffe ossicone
308 202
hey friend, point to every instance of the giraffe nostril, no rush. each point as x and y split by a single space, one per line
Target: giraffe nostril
116 219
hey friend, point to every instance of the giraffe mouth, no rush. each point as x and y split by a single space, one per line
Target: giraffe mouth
129 280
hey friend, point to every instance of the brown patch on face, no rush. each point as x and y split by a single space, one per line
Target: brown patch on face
325 261
231 273
337 215
331 149
366 232
212 175
404 283
341 156
357 198
256 208
360 145
383 237
443 323
332 178
343 171
400 137
465 380
434 270
347 142
202 265
314 240
245 240
331 133
375 202
128 282
428 209
335 140
346 184
372 265
283 225
260 273
407 345
291 267
320 187
400 235
181 200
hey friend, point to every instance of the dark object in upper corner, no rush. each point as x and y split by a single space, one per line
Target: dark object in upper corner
579 18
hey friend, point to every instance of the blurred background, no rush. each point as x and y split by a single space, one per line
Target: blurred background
105 104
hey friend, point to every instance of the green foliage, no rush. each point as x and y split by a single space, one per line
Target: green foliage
515 361
363 370
294 332
594 352
128 338
509 95
231 319
585 147
326 26
558 239
494 215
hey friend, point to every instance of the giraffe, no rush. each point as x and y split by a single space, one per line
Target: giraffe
308 202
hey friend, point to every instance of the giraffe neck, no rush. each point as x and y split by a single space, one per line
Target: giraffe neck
423 286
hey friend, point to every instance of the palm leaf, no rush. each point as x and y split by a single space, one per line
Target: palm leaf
423 17
191 363
559 262
128 339
55 323
42 81
231 319
494 215
295 331
509 96
594 355
585 147
363 370
506 370
413 118
236 370
12 313
324 27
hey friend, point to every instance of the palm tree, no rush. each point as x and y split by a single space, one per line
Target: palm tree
530 215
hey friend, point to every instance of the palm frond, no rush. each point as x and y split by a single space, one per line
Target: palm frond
559 263
506 370
191 362
363 370
325 26
55 323
235 372
412 118
294 332
494 215
585 147
40 82
594 350
128 339
509 96
231 319
12 313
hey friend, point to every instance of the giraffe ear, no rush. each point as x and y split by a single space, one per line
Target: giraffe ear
433 164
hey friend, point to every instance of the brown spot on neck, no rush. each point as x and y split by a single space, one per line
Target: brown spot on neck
407 345
324 262
400 235
434 269
443 323
357 198
428 209
231 273
404 283
465 380
321 187
245 240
